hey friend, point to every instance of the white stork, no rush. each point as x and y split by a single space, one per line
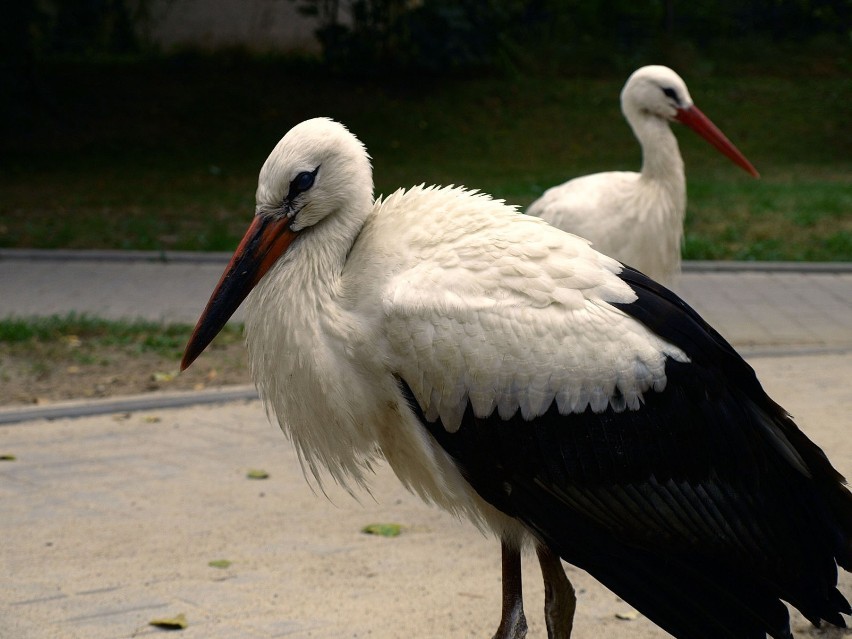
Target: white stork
637 218
509 373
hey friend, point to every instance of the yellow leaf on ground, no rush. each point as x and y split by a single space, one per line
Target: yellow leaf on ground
627 615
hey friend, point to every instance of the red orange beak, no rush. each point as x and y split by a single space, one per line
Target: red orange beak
265 241
701 124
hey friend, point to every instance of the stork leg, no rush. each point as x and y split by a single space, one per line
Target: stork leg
559 598
513 624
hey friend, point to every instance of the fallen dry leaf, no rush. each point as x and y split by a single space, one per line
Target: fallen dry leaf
178 622
628 615
161 376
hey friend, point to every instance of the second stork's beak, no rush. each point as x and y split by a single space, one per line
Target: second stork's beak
701 124
265 241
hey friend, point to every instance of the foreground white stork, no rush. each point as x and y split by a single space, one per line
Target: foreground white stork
511 374
637 218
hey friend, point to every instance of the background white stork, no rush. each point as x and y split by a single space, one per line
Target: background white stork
637 218
511 374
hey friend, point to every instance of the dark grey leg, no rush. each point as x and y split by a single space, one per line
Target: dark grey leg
559 599
513 624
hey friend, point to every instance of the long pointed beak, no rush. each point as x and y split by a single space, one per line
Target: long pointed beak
264 242
701 124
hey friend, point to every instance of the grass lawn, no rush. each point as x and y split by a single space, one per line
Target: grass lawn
165 156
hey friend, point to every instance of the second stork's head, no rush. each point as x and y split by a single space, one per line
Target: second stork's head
657 91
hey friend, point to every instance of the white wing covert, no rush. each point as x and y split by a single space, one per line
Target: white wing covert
512 325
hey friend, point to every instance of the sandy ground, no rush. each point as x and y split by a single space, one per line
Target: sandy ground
110 522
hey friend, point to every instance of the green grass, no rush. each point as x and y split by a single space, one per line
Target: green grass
167 158
800 218
74 331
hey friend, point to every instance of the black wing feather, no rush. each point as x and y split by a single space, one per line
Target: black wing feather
670 317
704 508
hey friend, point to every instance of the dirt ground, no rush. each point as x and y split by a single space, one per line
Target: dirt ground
62 373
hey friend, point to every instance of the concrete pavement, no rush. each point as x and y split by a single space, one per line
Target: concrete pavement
109 522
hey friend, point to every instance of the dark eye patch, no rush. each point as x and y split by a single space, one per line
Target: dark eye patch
301 183
671 93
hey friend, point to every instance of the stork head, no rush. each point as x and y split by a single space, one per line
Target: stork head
317 171
657 91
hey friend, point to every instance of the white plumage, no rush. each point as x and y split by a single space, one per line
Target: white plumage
637 218
511 374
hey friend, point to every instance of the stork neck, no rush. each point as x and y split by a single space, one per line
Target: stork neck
297 332
327 246
661 159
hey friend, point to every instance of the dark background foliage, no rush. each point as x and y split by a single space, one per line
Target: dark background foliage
108 142
452 35
530 35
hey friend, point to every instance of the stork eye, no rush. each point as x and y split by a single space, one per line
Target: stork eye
671 93
302 182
